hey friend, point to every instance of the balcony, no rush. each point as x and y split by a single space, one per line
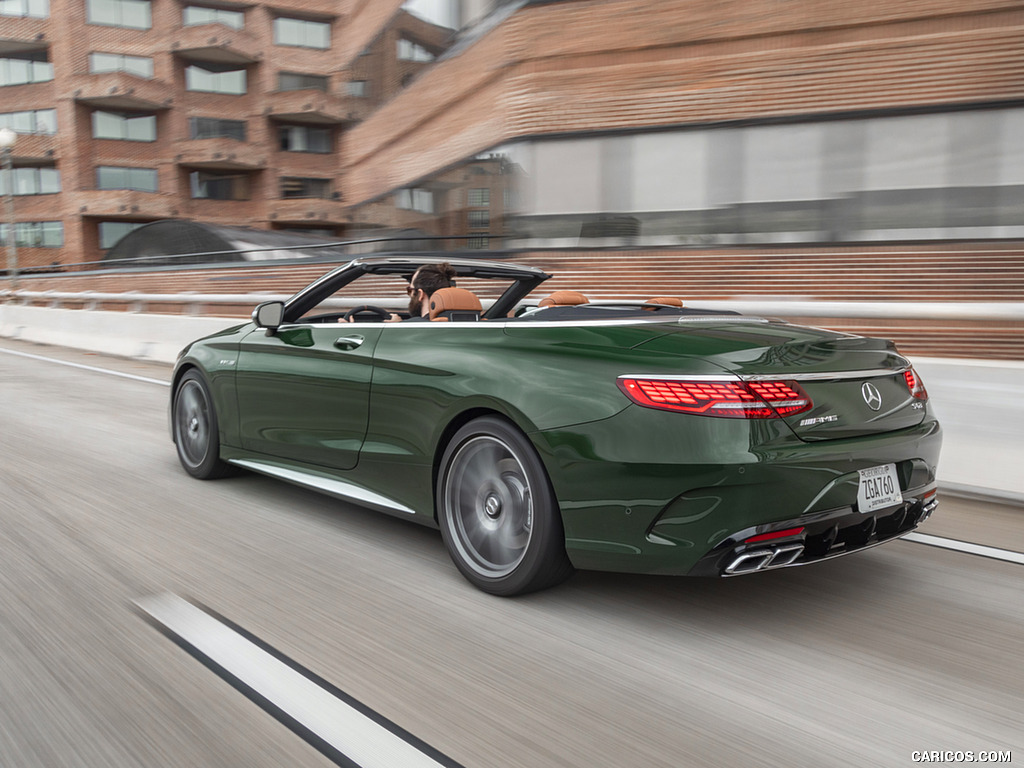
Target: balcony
221 154
306 211
125 204
119 90
307 106
23 35
31 148
216 43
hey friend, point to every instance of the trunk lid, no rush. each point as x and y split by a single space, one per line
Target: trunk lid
856 384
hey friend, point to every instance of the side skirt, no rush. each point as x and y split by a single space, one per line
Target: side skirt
332 486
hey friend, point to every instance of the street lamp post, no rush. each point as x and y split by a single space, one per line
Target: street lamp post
8 139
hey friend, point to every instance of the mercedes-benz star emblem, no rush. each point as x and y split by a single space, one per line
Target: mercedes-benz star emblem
871 395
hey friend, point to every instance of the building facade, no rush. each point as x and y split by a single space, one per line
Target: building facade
134 111
516 123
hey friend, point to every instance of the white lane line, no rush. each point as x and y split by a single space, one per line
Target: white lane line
965 546
87 367
362 740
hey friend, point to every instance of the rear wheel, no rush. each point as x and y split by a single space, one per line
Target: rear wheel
498 515
196 433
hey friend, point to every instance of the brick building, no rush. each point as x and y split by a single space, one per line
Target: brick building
583 123
134 111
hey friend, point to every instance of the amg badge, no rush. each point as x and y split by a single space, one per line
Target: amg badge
818 420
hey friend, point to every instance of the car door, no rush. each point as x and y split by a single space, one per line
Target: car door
304 390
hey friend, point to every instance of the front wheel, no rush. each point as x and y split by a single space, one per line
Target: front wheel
498 515
196 434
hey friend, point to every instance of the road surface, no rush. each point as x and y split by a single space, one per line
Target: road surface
859 661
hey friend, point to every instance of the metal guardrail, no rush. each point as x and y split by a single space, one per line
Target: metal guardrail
196 302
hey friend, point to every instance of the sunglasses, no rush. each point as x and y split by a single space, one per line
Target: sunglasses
410 290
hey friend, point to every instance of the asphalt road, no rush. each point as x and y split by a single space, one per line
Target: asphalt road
859 661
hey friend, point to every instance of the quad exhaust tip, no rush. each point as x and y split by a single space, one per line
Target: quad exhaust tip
764 559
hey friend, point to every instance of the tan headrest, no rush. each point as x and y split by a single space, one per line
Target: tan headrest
670 301
449 299
563 299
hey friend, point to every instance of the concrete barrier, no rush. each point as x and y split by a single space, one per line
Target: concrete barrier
980 403
140 336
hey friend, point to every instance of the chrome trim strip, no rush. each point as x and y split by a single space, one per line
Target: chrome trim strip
873 373
481 324
832 376
338 488
681 377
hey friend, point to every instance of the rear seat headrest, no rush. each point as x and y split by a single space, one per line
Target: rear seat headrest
670 301
563 299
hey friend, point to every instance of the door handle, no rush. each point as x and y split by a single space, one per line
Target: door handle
349 342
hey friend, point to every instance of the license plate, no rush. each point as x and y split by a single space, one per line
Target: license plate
879 488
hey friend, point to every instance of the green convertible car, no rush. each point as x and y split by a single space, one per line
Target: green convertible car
635 436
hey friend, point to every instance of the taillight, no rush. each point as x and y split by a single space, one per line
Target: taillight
915 385
733 399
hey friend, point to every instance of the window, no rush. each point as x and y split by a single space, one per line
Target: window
112 231
215 128
358 88
477 243
32 181
133 14
294 81
141 66
210 185
215 78
302 33
297 186
42 121
197 14
117 177
479 219
123 127
415 199
410 51
476 198
37 9
304 138
35 234
23 68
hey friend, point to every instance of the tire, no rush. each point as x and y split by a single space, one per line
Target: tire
196 433
497 513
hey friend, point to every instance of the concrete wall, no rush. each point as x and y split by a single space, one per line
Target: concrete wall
141 336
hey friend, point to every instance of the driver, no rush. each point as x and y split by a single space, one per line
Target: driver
422 284
426 280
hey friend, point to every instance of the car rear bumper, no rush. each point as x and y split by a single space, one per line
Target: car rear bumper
675 503
822 536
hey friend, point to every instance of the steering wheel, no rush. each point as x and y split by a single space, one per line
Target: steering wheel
379 313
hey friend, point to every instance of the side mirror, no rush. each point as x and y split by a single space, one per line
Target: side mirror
269 315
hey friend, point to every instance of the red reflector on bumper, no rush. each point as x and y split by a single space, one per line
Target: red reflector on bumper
774 535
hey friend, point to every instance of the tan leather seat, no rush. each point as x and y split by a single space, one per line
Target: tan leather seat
563 299
454 304
668 301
